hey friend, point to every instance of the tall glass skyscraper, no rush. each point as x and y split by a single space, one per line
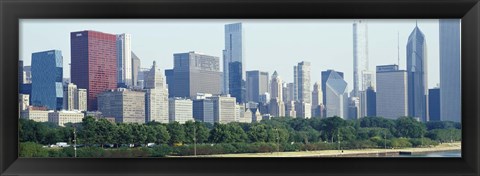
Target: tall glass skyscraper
124 60
325 75
47 71
417 75
94 63
361 77
235 82
450 76
336 96
233 52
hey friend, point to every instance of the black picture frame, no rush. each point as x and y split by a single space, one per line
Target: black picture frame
13 10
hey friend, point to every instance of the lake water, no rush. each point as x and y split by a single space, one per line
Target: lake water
455 153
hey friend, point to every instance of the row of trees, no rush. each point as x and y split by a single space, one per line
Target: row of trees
277 130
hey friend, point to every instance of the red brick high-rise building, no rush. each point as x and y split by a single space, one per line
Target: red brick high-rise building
93 63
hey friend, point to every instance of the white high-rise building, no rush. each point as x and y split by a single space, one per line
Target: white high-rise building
450 75
74 98
180 110
81 100
276 107
301 76
233 51
361 77
317 98
124 60
156 96
69 95
392 99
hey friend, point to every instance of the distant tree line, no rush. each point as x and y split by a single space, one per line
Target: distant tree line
276 134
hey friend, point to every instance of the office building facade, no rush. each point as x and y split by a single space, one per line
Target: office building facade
336 96
450 75
325 76
47 89
156 96
180 110
235 81
136 64
257 83
61 118
277 107
417 75
196 73
360 56
124 60
434 104
223 109
301 76
233 52
317 98
203 110
124 105
93 63
392 92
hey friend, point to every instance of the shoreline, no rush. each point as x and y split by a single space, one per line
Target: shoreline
346 153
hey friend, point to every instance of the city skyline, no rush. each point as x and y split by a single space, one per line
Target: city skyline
342 52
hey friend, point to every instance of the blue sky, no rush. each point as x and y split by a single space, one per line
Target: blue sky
269 44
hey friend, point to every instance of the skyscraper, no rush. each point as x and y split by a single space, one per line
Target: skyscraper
47 88
156 96
417 75
368 103
233 52
20 73
124 60
336 96
135 69
256 85
277 107
170 82
235 81
392 97
81 100
69 95
302 82
94 63
325 76
360 56
196 73
450 75
317 98
434 104
27 79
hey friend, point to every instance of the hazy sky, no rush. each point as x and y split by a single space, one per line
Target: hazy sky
269 44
